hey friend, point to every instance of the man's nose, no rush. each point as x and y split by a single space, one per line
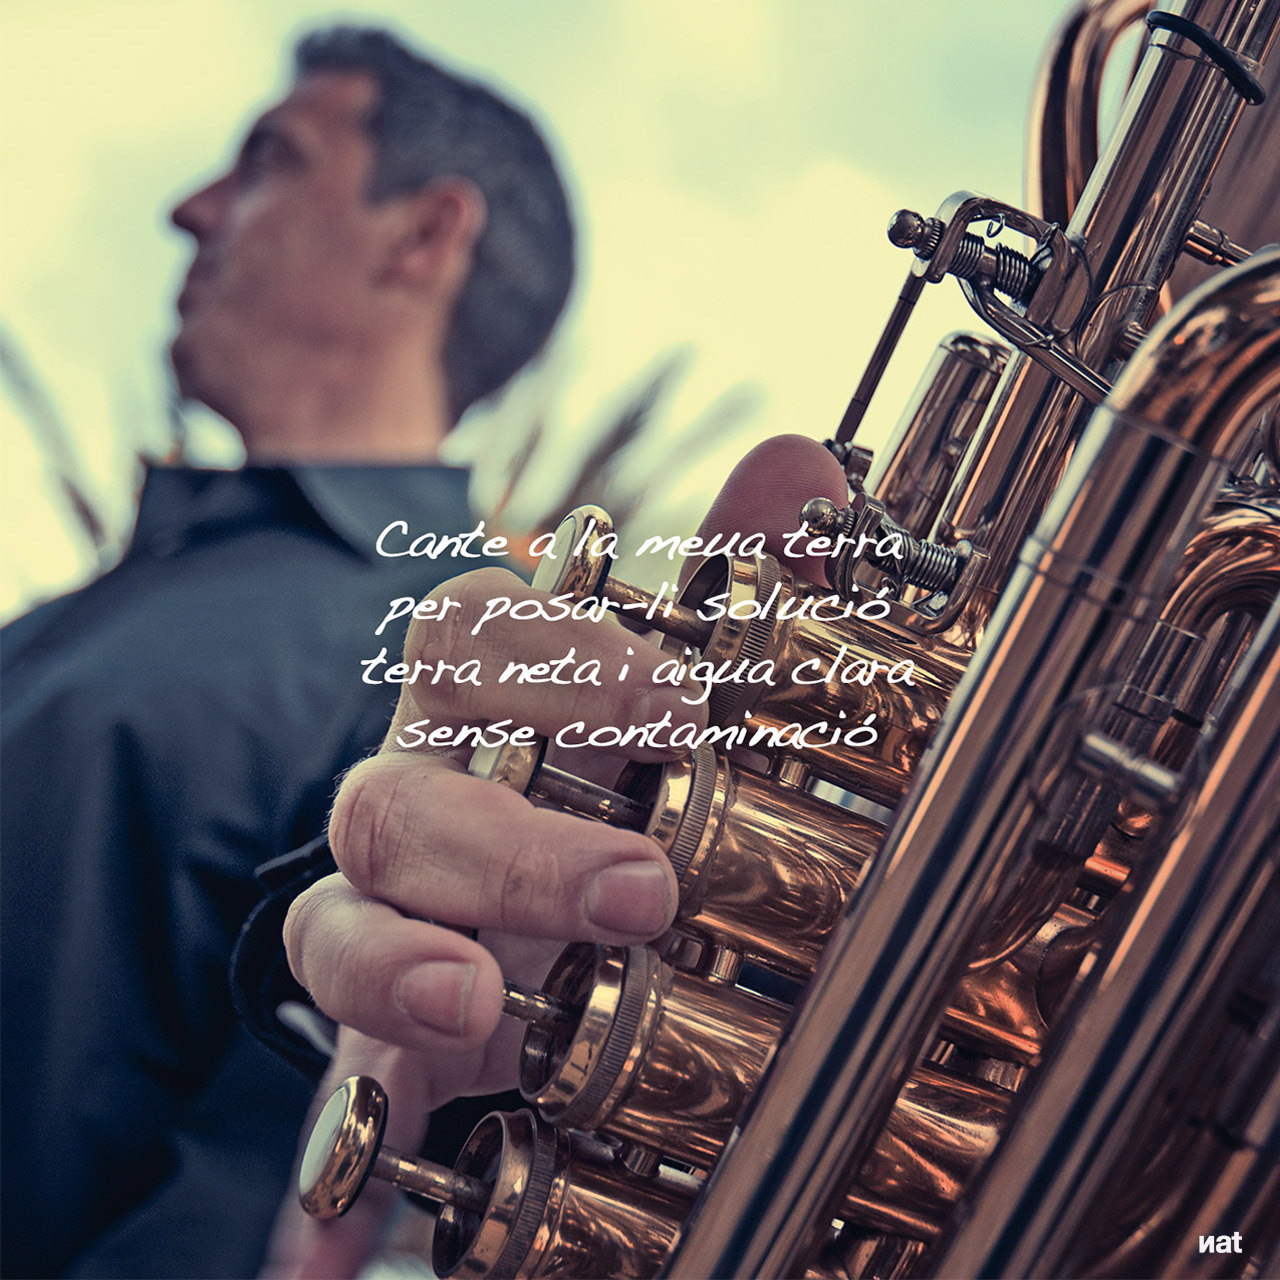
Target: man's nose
198 215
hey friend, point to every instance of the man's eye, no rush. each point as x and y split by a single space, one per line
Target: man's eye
262 154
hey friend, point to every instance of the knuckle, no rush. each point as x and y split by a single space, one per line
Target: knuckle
444 633
334 951
427 638
358 971
491 580
477 588
594 707
529 884
635 701
298 923
367 828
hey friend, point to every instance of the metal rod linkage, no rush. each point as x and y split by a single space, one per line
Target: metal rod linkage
536 1006
424 1178
588 799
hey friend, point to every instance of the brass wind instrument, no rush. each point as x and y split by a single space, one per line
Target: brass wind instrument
1030 1023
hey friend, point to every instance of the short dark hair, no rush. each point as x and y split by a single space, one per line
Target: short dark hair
430 124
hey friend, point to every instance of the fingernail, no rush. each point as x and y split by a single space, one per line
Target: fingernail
630 898
437 993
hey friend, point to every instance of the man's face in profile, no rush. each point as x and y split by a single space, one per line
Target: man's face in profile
288 250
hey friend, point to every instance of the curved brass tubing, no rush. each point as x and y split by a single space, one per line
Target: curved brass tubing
1062 133
1110 541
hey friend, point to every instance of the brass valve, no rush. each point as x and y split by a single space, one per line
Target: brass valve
515 1174
658 1057
345 1150
852 688
578 565
766 870
667 1060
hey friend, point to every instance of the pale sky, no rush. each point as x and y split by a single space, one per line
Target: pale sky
733 164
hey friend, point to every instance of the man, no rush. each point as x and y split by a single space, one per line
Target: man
390 244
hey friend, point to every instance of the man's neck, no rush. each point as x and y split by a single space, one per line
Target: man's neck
392 417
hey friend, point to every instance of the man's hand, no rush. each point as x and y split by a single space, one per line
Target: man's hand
425 849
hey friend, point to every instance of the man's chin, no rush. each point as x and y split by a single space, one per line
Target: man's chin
209 370
180 363
183 360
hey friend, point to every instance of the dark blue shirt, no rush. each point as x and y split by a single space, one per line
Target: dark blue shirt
165 730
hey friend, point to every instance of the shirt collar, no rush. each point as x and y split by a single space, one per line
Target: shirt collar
354 503
358 503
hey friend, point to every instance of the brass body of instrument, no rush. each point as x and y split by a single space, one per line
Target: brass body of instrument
1028 1023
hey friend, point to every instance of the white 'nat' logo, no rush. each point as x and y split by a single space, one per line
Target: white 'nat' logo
1221 1244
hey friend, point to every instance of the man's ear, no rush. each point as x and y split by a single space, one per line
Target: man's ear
445 220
